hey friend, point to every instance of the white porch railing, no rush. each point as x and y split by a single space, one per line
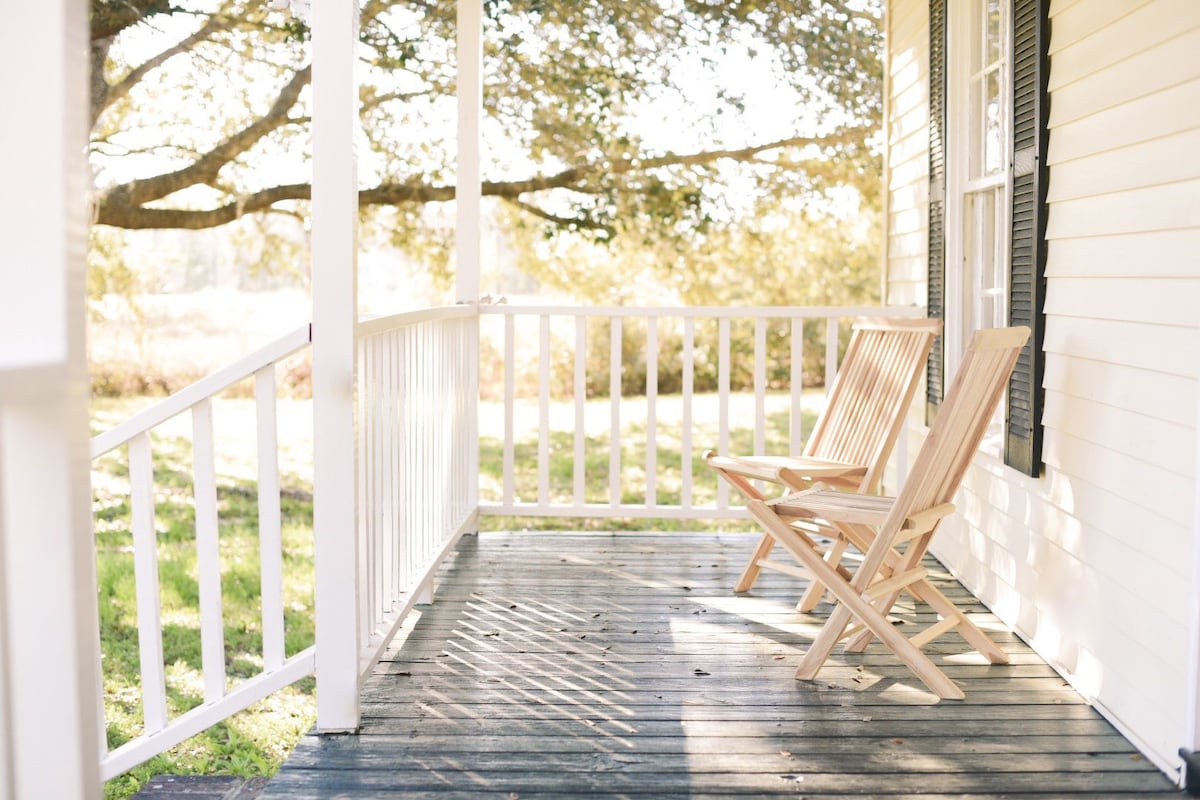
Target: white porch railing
418 477
416 481
160 730
735 338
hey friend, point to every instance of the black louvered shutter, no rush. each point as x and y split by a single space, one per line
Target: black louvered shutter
934 374
1031 103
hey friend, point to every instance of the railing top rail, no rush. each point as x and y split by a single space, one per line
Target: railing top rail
204 388
731 312
391 322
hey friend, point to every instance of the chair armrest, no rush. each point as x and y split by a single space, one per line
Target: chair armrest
794 471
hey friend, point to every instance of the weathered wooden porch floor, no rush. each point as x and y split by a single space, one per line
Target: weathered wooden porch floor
573 665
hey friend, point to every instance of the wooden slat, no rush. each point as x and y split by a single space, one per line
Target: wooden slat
615 363
796 387
270 541
145 569
760 386
580 399
509 400
208 556
543 457
685 442
723 370
651 412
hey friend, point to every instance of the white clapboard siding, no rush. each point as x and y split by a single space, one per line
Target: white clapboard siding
1078 20
1153 347
1162 207
1150 394
1092 561
1163 113
1112 254
1161 444
1075 52
1158 301
1169 159
1165 64
908 152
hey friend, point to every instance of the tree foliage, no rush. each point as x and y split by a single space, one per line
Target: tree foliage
201 110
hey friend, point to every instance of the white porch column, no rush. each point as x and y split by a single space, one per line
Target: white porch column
49 650
468 203
335 313
467 189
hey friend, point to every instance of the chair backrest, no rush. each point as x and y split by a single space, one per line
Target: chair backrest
871 394
961 421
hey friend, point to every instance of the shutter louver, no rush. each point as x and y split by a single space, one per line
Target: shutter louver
1023 429
935 303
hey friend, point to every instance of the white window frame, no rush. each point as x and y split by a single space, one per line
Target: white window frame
963 302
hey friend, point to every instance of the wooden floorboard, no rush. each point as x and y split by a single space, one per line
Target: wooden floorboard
595 665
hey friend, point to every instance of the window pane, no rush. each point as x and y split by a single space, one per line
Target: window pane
992 30
993 125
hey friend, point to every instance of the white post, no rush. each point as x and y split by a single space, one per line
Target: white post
468 184
49 698
468 210
334 291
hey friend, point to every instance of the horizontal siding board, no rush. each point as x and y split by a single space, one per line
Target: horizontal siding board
1164 254
1168 445
1080 519
1169 64
1104 513
911 170
1155 395
911 270
1164 207
911 124
1163 113
907 245
1152 347
908 21
906 198
906 293
1162 161
912 150
1135 33
1155 301
1083 20
1141 482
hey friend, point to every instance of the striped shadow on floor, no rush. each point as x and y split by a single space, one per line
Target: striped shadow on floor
622 665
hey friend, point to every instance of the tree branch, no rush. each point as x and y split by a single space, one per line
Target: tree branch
204 169
110 17
578 223
124 206
121 88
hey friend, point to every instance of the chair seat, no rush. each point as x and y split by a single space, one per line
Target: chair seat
788 470
833 506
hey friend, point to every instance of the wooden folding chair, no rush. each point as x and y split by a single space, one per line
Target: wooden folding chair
893 534
854 435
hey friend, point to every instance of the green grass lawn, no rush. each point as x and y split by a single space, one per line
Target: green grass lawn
256 741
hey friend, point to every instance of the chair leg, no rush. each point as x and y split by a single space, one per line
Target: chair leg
816 590
853 605
751 572
926 591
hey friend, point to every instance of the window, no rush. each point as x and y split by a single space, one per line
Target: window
979 139
989 103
